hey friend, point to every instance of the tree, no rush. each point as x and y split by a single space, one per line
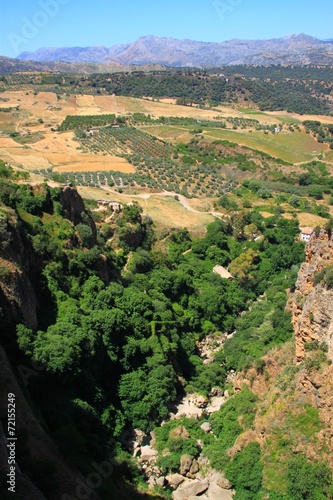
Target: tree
242 266
245 472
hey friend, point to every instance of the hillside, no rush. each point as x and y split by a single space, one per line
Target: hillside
111 305
294 49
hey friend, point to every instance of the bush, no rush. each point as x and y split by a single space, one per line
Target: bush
245 472
325 277
310 480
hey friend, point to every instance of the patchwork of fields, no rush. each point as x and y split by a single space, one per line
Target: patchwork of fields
147 155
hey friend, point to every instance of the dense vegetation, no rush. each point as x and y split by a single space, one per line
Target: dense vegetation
296 89
118 346
86 121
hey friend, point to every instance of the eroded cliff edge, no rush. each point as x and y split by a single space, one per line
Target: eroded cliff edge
312 304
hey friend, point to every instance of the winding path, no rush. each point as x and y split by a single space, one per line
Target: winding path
182 200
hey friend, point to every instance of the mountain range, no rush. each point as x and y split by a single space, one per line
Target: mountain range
294 49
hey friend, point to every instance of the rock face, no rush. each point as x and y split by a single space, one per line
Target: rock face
75 210
312 306
43 449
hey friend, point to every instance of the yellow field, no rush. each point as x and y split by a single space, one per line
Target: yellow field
169 133
91 163
87 105
311 220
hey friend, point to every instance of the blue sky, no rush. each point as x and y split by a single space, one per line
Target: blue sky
26 25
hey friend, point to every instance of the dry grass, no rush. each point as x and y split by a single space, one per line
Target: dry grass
87 105
320 118
91 163
311 220
7 143
165 211
169 133
58 143
25 158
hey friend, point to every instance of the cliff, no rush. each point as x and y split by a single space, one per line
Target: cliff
21 261
312 305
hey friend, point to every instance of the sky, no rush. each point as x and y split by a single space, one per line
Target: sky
26 25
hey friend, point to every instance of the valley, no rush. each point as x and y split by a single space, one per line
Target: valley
166 283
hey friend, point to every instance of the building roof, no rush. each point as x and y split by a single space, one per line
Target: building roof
306 230
221 271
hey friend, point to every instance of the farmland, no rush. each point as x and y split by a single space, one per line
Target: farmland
147 145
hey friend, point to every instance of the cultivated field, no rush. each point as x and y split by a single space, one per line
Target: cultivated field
89 163
38 146
291 147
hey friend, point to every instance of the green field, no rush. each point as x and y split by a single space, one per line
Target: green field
294 147
291 147
329 156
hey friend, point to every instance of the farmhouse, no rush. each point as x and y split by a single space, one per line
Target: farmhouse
306 233
223 272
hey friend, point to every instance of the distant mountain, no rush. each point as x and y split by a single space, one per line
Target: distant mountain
293 49
9 66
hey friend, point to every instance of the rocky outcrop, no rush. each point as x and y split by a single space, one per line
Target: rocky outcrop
20 271
311 305
74 210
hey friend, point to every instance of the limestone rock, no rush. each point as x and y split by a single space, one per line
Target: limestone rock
160 481
206 427
174 480
311 305
185 464
147 454
180 432
192 488
216 391
193 470
201 402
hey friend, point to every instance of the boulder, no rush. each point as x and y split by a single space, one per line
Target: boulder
153 439
147 454
160 481
206 427
224 483
216 391
202 497
193 470
180 432
208 361
190 489
219 487
201 402
174 480
215 492
185 464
